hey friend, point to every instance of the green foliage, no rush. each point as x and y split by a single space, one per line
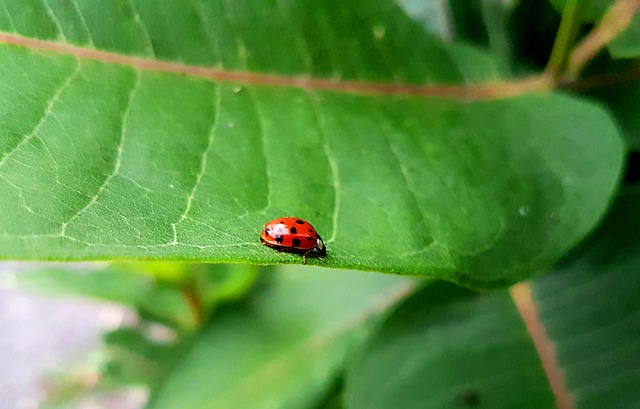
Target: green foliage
166 292
284 347
157 165
627 45
478 343
620 97
170 132
445 347
589 10
590 308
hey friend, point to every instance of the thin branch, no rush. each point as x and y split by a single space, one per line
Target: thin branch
564 39
603 80
613 23
192 296
521 295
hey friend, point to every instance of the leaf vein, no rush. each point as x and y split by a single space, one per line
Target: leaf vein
13 26
20 193
138 20
118 159
54 19
203 165
333 165
263 138
299 39
405 178
47 111
240 45
83 21
202 26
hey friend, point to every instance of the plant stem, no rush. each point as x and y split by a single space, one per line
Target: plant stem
564 39
192 296
612 23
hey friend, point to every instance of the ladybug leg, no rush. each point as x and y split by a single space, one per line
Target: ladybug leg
304 257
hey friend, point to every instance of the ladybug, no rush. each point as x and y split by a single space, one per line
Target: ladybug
293 235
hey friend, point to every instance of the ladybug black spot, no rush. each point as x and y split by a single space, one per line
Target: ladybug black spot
279 239
300 221
311 231
309 238
293 230
295 242
281 222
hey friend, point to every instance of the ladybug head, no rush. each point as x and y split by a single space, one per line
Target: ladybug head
320 247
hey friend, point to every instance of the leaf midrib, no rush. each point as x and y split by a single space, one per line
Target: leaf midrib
536 83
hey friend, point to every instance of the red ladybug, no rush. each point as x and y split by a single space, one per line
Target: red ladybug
293 235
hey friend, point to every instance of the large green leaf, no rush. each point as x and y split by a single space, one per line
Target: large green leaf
284 348
105 157
450 348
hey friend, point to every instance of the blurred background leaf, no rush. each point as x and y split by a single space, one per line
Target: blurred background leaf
285 346
447 347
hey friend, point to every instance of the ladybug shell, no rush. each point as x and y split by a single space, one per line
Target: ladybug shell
293 235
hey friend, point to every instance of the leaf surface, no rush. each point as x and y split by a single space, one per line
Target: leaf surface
106 156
